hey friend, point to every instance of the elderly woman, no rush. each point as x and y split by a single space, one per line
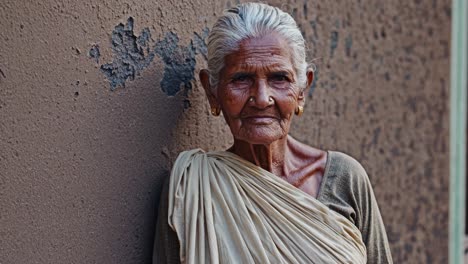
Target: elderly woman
268 198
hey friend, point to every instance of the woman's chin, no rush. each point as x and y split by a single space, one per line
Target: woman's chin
261 139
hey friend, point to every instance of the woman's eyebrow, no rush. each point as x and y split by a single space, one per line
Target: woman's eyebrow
242 74
282 73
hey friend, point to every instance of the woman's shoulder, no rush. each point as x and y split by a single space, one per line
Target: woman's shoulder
344 166
186 158
191 154
345 177
186 154
345 186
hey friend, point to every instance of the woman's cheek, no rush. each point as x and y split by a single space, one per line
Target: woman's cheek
287 100
235 100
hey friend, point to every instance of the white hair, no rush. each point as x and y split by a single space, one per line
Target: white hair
251 20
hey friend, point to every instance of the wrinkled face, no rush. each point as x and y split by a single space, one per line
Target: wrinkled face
257 90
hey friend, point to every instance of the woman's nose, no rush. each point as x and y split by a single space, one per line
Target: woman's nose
262 94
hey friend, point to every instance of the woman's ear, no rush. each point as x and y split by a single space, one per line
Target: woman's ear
205 81
310 79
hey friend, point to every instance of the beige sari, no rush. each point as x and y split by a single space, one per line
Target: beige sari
227 210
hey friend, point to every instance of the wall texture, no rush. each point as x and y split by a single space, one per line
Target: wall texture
98 97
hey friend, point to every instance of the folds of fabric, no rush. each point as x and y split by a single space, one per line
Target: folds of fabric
227 210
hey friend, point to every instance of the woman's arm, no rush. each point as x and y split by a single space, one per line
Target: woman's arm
371 225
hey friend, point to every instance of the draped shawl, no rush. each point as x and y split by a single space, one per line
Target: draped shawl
225 209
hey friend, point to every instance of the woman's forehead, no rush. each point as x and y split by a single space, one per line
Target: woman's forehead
267 51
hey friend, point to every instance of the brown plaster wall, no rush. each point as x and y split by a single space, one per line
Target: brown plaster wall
81 155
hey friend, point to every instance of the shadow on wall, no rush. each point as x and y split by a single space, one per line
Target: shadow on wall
154 115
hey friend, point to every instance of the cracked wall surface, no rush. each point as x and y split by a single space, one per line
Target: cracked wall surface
98 97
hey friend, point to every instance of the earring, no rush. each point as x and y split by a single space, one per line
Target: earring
215 111
270 99
299 110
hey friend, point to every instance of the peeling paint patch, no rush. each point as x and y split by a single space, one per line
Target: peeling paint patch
132 54
179 64
95 53
179 61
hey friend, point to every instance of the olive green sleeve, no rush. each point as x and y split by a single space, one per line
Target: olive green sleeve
347 190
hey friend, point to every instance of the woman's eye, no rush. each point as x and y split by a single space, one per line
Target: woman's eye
280 78
279 81
240 79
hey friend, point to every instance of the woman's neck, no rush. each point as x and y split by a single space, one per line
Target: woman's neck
270 157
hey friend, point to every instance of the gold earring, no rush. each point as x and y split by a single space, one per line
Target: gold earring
215 111
299 110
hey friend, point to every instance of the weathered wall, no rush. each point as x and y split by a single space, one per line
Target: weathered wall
97 97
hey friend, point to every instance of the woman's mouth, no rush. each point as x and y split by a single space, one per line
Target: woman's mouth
260 120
